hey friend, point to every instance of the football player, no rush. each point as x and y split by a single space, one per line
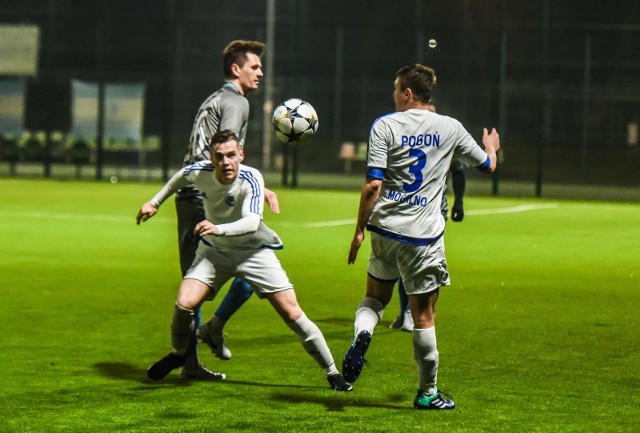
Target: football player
409 154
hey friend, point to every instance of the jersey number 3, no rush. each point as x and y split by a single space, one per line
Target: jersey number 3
416 170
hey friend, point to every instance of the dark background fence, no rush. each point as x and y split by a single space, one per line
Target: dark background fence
559 79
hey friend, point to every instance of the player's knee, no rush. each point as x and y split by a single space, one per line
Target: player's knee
290 313
286 304
191 296
186 303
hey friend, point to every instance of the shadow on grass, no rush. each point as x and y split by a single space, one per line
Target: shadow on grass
128 372
121 371
273 385
338 402
334 403
336 320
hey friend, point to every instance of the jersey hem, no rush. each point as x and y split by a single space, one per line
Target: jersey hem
401 238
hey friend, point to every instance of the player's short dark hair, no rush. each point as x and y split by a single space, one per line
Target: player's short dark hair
222 137
419 78
236 52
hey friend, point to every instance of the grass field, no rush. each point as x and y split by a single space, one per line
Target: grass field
538 332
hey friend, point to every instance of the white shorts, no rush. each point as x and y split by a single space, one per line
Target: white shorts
260 268
423 268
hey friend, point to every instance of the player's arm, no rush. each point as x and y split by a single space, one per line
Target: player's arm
459 181
245 225
379 135
150 208
272 200
368 198
491 142
252 202
469 152
145 212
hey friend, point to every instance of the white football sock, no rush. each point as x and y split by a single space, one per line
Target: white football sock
425 352
314 343
368 315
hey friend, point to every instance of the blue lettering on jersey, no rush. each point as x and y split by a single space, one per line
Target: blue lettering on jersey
422 140
415 200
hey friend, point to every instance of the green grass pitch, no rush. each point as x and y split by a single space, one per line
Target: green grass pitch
539 331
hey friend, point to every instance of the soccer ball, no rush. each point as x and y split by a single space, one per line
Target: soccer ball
294 120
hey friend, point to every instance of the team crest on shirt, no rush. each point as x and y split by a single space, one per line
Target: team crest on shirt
230 200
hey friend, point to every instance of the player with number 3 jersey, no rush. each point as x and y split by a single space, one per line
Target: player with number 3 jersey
421 146
409 154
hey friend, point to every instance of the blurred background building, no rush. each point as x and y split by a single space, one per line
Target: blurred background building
92 86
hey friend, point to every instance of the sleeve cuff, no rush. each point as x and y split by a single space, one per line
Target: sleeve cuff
486 165
375 173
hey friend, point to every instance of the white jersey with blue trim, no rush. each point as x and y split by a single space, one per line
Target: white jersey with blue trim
231 207
411 152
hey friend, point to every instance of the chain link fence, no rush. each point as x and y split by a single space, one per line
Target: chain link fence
559 84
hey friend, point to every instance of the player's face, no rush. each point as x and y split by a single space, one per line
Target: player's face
400 97
226 158
250 73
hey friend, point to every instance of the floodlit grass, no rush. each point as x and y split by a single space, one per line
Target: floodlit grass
538 332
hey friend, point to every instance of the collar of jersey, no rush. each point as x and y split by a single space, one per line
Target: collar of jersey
232 86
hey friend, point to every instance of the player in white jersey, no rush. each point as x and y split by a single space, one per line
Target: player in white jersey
234 242
404 321
225 109
410 152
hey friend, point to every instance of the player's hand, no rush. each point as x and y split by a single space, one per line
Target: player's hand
204 228
146 211
272 200
457 212
491 139
356 243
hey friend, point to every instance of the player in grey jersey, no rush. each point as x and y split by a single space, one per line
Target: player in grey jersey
233 242
227 108
410 152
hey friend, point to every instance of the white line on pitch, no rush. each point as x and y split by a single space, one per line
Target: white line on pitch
315 224
75 216
522 208
333 223
513 209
